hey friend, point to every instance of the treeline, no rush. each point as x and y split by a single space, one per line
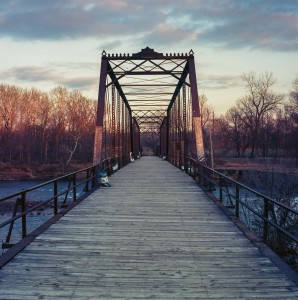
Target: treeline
262 123
53 127
58 127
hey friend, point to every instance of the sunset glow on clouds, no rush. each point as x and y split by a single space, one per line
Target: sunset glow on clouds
50 42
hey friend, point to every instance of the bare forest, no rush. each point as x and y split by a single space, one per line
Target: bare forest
261 124
58 127
45 128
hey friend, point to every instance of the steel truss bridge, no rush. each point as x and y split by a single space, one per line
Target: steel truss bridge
158 232
148 93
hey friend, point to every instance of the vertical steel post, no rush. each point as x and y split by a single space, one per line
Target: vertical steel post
56 197
118 126
127 135
196 109
266 224
220 188
237 201
74 190
94 172
169 121
185 141
160 139
100 111
132 139
179 162
123 134
113 141
24 216
174 133
87 180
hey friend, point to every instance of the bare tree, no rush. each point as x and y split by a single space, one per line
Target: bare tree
259 101
45 127
292 105
9 113
207 111
293 101
236 131
291 109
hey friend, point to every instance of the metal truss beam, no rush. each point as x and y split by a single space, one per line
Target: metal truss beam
148 85
118 86
179 85
147 93
150 92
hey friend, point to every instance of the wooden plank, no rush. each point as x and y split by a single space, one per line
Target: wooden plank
153 235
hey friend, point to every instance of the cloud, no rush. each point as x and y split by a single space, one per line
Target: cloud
248 24
110 45
39 75
53 19
29 73
166 34
254 24
80 83
219 82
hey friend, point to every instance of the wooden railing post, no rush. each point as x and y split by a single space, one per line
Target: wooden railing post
24 216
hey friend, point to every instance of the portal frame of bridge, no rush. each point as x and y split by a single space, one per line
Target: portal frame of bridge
148 93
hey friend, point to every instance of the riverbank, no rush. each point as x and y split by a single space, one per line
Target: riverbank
36 171
279 165
49 171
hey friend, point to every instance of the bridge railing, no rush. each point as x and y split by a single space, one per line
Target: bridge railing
273 221
65 190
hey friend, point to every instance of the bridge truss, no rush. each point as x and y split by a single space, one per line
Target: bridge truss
148 93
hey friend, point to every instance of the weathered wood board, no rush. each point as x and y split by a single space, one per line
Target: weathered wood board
153 235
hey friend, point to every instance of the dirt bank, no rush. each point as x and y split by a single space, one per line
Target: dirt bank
281 165
36 171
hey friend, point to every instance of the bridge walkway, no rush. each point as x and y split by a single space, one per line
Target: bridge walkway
153 235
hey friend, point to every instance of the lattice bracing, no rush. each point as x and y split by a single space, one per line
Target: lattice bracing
152 87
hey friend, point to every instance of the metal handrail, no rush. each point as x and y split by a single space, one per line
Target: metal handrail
246 187
46 183
207 173
91 174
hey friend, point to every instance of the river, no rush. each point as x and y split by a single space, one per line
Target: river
37 217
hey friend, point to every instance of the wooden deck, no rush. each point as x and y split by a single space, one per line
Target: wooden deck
152 235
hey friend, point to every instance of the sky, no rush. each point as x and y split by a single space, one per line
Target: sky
49 43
